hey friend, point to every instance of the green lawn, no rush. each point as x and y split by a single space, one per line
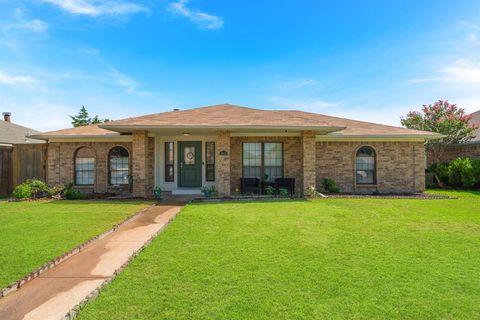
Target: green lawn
326 259
32 233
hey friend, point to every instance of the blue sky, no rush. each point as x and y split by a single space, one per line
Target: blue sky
368 60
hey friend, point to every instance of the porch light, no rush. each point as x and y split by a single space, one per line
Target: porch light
186 133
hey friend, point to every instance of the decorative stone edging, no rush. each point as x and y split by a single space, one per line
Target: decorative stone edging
56 261
72 314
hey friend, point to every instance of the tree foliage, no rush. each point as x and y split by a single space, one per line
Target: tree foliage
83 118
444 118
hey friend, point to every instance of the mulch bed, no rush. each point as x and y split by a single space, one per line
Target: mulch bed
424 196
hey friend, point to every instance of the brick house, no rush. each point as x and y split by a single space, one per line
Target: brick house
470 149
181 151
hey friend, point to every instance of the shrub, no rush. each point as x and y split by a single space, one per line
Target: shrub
22 191
31 188
57 190
311 192
270 190
476 171
72 194
441 170
461 173
330 186
283 192
39 188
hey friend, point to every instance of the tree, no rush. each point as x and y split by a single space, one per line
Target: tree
444 118
83 118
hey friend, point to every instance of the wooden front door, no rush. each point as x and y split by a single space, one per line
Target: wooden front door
190 164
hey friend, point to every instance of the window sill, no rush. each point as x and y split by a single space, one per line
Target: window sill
366 185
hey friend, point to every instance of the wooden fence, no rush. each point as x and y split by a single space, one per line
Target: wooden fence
22 162
29 161
6 171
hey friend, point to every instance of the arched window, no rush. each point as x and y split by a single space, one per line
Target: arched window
118 166
84 166
366 166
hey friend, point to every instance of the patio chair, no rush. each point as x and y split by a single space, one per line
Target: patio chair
285 183
249 185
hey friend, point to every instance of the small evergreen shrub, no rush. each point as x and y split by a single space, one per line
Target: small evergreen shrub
476 171
461 173
283 192
330 186
72 194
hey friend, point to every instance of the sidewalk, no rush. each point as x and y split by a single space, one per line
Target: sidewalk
53 294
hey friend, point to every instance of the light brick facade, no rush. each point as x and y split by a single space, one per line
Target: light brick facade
292 158
308 160
400 166
61 161
223 163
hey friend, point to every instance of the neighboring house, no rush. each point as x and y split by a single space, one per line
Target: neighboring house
181 151
21 157
470 149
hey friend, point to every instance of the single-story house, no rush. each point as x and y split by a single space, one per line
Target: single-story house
21 157
182 150
470 149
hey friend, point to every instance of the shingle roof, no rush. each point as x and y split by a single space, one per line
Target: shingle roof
11 133
476 120
232 116
92 130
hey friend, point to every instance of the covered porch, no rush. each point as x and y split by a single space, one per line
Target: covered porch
187 159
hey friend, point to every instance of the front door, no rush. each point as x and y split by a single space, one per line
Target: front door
190 163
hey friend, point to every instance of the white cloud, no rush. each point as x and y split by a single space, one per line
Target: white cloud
126 82
202 19
95 8
15 79
34 25
462 72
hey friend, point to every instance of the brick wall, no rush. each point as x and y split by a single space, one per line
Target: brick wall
400 166
223 162
292 161
60 164
471 151
308 160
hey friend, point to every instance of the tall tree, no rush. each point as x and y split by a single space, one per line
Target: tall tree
83 118
444 118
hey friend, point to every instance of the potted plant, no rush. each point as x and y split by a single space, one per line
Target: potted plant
208 191
157 192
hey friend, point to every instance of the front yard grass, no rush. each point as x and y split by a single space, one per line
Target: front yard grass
325 259
32 233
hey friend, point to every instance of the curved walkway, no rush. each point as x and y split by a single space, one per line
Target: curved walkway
53 294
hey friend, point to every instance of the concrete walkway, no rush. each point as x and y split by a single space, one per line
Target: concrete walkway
53 294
